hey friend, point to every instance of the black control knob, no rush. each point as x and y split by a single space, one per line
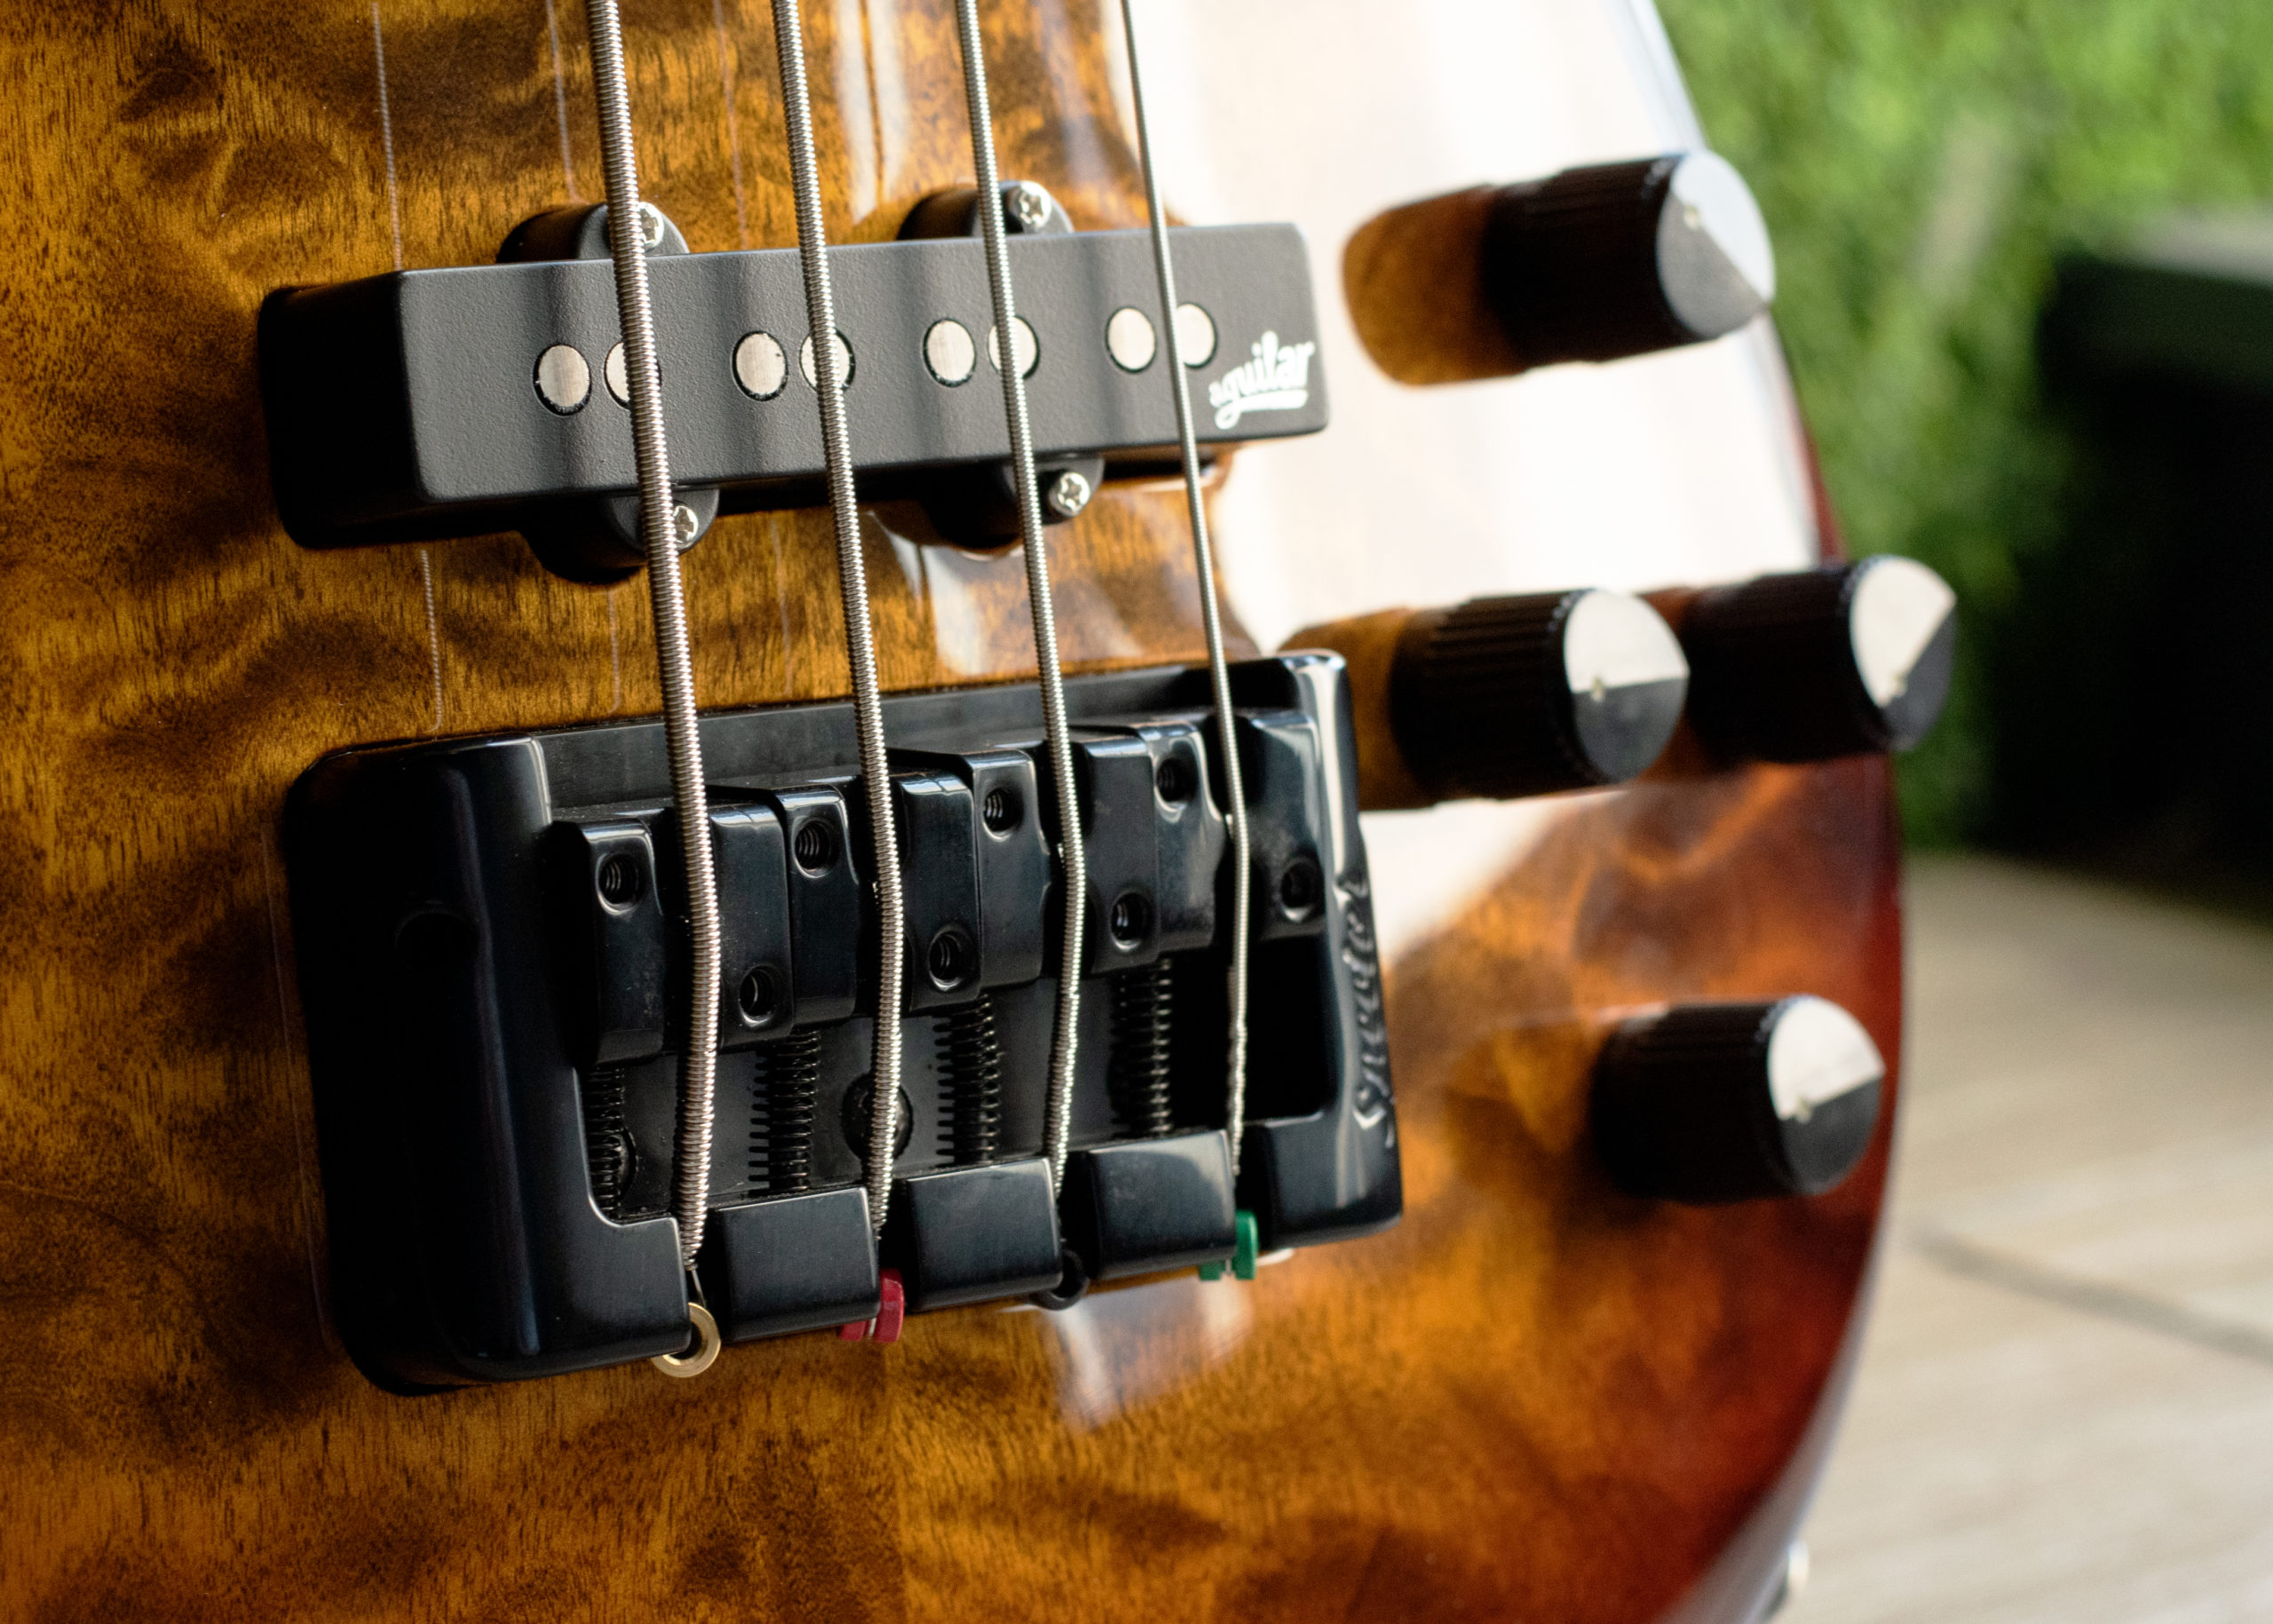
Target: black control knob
1733 1102
1620 259
1849 659
1513 696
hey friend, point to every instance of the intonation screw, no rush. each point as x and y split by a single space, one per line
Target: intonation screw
1069 493
685 526
1031 205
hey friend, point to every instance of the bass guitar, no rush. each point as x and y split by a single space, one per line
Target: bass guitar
1202 922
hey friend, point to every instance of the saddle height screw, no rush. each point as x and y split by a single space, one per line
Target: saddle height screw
1069 493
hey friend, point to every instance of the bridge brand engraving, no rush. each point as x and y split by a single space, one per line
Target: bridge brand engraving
1361 957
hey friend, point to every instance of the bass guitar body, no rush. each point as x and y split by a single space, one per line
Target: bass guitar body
1536 1396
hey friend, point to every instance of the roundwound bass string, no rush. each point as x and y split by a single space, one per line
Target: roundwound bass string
853 586
1211 615
661 532
1057 1118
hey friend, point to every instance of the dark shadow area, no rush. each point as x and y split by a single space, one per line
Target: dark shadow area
2132 672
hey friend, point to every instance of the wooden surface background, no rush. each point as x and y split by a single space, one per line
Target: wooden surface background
1533 1399
2064 1409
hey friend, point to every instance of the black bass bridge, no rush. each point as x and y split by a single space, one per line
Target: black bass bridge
494 965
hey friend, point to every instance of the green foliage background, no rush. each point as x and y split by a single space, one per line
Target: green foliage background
1921 163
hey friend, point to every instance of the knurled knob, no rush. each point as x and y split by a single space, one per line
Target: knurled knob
1514 696
1733 1102
1843 660
1620 259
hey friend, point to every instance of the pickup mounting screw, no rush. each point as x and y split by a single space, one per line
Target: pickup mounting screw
1030 206
1069 493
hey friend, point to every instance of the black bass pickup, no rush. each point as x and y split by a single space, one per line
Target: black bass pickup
492 961
433 403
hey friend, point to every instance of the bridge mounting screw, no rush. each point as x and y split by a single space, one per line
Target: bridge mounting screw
1069 493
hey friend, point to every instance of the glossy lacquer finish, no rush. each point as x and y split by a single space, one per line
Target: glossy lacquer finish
1533 1399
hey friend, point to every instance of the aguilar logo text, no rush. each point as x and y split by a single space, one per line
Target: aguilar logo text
1277 380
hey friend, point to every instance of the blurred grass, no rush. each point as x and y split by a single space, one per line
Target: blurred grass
1920 163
